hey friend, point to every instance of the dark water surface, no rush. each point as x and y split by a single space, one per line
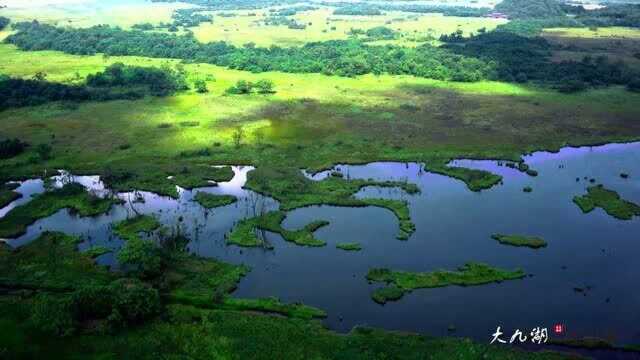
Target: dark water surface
453 226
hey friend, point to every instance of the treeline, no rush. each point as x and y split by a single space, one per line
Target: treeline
487 56
277 20
156 81
612 15
4 22
522 59
290 11
531 16
117 82
347 8
190 17
529 9
344 58
234 4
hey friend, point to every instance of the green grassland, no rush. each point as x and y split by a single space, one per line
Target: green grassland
322 25
359 119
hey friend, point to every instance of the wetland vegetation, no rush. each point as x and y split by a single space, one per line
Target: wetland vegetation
401 114
401 282
610 201
519 240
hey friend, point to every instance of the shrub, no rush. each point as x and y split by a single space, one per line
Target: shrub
242 87
53 315
201 87
11 147
44 151
135 301
264 87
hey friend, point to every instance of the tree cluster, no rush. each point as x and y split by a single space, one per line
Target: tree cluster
159 81
11 147
117 82
528 9
4 22
496 55
243 87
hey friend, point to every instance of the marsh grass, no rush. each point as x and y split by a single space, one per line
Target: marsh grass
609 200
353 246
244 234
520 240
211 201
471 274
72 196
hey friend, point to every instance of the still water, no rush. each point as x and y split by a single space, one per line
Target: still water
453 226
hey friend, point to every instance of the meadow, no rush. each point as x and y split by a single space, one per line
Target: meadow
309 121
322 25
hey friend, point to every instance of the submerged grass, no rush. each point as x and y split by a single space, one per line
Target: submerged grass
609 200
468 275
211 201
520 240
72 196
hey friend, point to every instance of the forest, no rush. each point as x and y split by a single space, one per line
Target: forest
489 56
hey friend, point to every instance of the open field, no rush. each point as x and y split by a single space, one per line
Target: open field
617 43
322 25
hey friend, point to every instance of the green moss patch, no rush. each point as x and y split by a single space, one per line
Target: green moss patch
609 200
519 240
468 275
72 196
244 234
349 246
211 201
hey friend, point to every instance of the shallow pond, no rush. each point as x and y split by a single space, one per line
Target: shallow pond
453 226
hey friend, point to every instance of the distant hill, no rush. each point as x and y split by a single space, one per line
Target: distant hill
527 9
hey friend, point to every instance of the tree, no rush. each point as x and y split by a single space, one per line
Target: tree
237 136
40 76
201 86
264 87
242 87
